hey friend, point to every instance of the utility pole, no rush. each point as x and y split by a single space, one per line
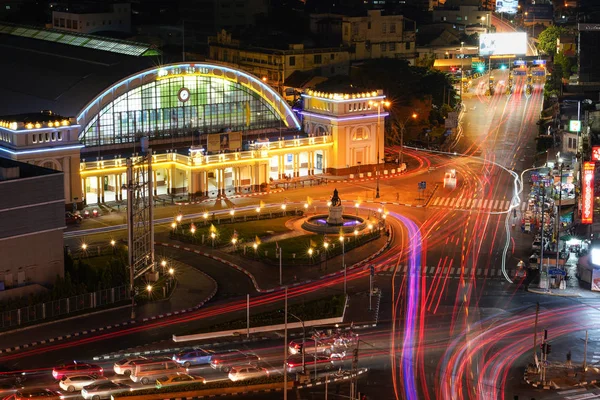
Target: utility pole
585 352
542 240
558 213
285 346
537 314
280 268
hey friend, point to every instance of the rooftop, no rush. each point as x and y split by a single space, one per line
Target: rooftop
51 75
10 170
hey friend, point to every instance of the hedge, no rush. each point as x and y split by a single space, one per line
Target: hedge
190 387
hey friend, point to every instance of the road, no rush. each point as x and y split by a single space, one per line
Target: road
453 325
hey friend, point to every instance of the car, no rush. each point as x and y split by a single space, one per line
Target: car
322 346
244 372
76 369
450 179
125 366
193 357
322 363
34 394
103 390
178 379
73 383
224 362
72 218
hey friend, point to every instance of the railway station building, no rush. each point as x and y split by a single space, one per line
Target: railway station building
83 108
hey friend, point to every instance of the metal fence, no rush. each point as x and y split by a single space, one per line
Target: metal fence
63 307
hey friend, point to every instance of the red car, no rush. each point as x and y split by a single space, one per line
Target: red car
72 219
76 368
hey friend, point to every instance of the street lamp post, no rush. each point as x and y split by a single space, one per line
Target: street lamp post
379 104
462 57
343 240
303 343
285 347
402 128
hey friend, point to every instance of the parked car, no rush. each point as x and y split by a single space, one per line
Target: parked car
76 369
103 390
72 219
125 366
34 394
244 372
193 357
72 383
323 363
224 362
178 379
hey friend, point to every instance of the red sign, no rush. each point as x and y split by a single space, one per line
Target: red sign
587 211
595 153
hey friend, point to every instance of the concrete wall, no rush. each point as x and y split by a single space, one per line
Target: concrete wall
36 258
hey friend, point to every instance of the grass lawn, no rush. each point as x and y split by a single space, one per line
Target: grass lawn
247 231
301 244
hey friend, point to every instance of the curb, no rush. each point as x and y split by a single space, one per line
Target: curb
543 292
237 196
114 356
305 386
109 327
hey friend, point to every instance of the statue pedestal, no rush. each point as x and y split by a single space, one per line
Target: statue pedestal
335 215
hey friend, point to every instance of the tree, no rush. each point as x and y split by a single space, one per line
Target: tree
547 39
564 62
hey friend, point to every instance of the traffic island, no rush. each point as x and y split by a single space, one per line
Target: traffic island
561 376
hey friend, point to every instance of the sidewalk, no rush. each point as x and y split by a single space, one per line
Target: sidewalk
193 288
563 376
267 275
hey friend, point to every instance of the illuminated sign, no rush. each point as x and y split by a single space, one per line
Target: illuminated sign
575 125
520 62
497 44
595 153
539 62
507 6
587 203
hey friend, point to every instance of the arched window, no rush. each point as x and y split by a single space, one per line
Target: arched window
360 133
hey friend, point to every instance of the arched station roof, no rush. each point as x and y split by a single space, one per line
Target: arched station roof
184 70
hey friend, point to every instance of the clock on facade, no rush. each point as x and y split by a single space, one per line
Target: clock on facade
183 95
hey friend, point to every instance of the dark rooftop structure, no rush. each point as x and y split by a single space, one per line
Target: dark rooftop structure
33 117
10 169
42 74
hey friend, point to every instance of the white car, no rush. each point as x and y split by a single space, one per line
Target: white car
241 373
124 366
77 382
450 179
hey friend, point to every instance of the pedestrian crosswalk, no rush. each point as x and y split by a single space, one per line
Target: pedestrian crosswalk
582 393
463 203
451 272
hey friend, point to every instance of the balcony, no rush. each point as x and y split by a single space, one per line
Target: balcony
257 150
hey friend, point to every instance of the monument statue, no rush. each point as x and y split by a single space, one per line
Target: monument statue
335 200
335 210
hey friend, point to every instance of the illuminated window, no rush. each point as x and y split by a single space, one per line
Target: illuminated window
360 133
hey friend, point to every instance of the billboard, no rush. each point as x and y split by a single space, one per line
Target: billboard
587 190
595 153
574 125
507 6
499 44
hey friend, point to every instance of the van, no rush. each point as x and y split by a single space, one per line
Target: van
150 370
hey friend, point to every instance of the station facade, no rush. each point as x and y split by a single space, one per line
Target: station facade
213 130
